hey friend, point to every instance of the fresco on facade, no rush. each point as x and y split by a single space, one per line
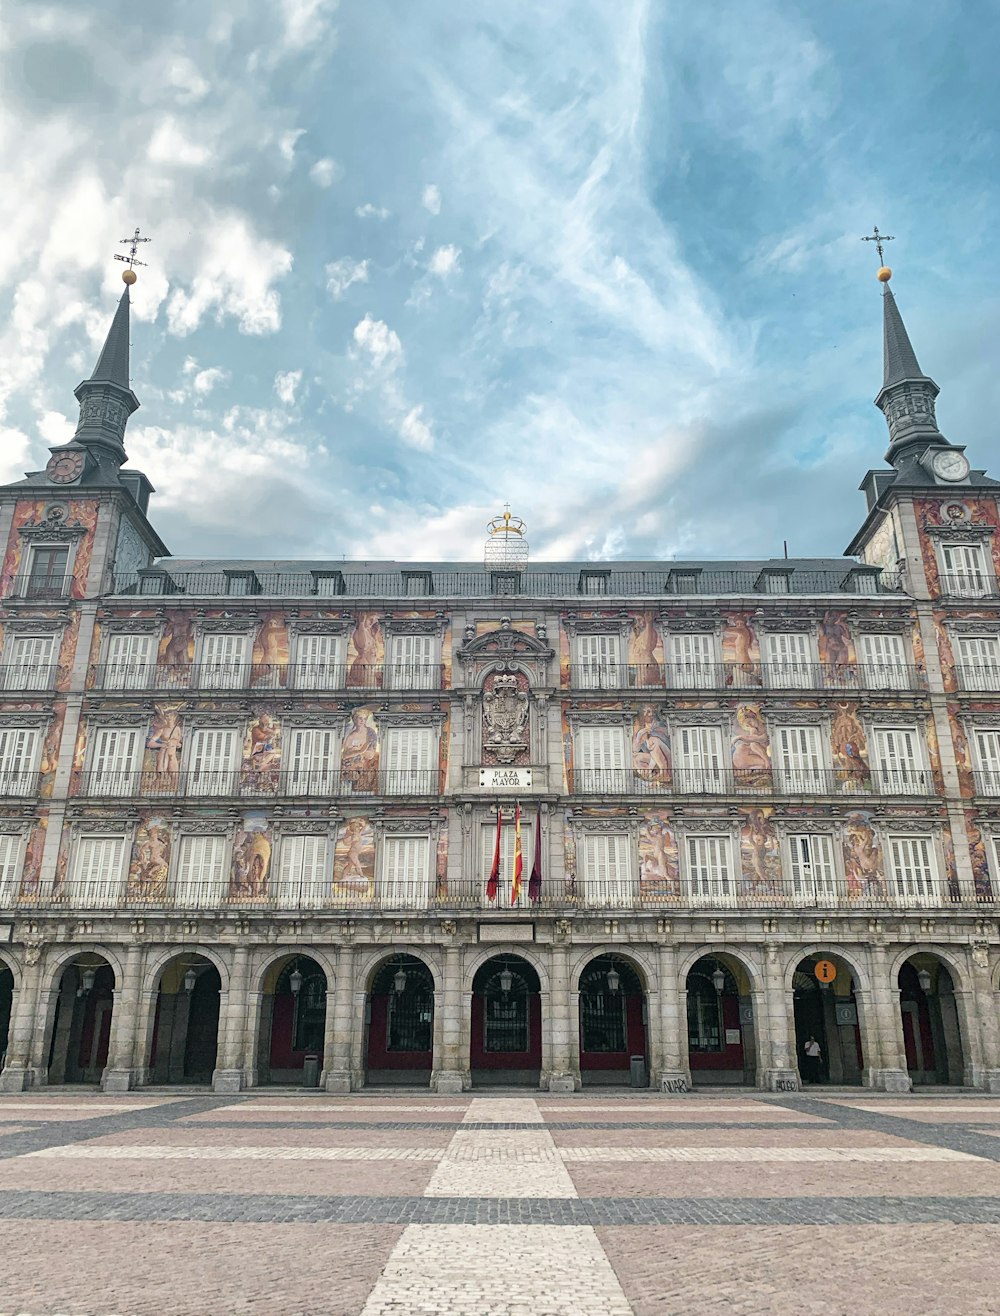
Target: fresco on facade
862 857
161 763
836 646
50 752
150 861
31 870
963 756
269 652
67 651
354 861
365 651
740 650
645 650
659 865
62 860
883 547
251 862
981 879
751 749
78 512
760 853
934 756
850 748
359 752
965 511
950 866
651 748
177 641
569 855
260 769
441 863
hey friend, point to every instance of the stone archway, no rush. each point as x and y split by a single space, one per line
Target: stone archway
826 1013
6 1008
932 1035
722 1046
81 1030
399 1046
506 1035
612 1021
292 1021
185 1040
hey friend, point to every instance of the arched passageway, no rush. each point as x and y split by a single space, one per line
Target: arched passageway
81 1030
932 1036
826 1018
721 1041
292 1019
186 1025
6 1006
506 1041
612 1021
400 1021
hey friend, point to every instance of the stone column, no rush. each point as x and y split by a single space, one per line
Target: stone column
780 1072
668 1028
18 1072
229 1075
450 1073
148 998
119 1073
563 1060
886 1067
340 1025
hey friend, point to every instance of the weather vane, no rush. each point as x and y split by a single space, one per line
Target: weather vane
884 274
129 276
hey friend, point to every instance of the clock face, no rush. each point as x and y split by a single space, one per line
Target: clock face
64 467
950 465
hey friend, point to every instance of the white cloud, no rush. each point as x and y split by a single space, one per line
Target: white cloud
431 198
326 172
14 448
169 146
205 380
306 22
445 261
55 428
380 343
286 385
288 141
368 211
237 271
340 274
415 431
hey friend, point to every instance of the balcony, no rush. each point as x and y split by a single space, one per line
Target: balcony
987 781
836 677
970 585
42 588
19 785
979 679
751 781
23 677
240 784
215 677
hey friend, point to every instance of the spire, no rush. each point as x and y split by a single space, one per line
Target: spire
906 398
106 400
112 365
899 359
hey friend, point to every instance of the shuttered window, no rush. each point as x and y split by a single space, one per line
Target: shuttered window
409 764
115 761
699 759
18 760
811 868
600 758
598 662
963 569
798 758
303 880
319 662
789 660
411 663
98 874
11 851
223 662
210 761
310 761
489 840
987 761
129 664
405 877
899 763
202 863
711 879
913 875
883 662
979 662
608 871
692 662
28 662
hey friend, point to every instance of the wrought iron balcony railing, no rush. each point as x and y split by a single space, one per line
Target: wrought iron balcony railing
46 589
30 676
983 678
968 585
19 785
157 677
256 783
751 781
748 676
987 781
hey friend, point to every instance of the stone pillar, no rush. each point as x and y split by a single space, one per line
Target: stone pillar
985 1012
18 1072
148 998
668 1028
119 1073
563 1059
451 1064
780 1072
885 1066
229 1075
340 1026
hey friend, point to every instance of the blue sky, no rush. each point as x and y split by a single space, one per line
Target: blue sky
413 259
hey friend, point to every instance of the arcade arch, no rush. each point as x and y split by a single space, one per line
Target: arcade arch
612 1020
399 1020
293 1007
722 1045
826 1013
81 1028
506 1033
932 1034
185 1036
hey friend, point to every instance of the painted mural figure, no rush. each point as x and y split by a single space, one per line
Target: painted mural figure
368 652
269 657
651 747
759 848
862 857
251 861
659 873
147 874
177 645
849 751
642 651
354 859
359 752
751 748
262 755
164 742
835 648
737 650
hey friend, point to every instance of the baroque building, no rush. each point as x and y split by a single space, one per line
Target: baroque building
259 820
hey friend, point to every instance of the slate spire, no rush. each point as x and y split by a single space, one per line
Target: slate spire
106 400
112 365
906 398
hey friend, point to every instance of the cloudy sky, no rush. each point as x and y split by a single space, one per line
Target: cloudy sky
412 258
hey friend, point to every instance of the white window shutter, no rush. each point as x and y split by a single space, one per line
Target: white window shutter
598 661
18 760
408 766
129 662
201 871
412 663
812 868
692 661
608 881
318 662
600 757
701 760
302 872
913 869
114 762
979 662
987 761
210 761
223 661
883 661
964 569
710 869
900 767
405 877
311 755
789 655
11 849
98 878
799 758
29 662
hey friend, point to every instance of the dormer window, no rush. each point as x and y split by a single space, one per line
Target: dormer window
242 582
417 583
683 581
594 582
327 583
774 580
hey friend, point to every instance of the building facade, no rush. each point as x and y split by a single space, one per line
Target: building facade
259 820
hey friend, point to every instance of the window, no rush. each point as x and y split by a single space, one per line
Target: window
608 881
963 570
223 661
979 662
489 840
699 759
987 744
913 875
710 869
405 878
302 872
202 863
774 582
210 761
114 761
692 662
594 582
411 663
98 875
11 847
327 584
319 662
602 1013
310 761
409 761
598 662
704 1014
48 566
899 763
599 758
242 582
505 1015
789 655
883 662
417 584
683 582
798 758
129 664
18 758
28 662
811 866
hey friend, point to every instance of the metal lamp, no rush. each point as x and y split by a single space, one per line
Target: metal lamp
88 977
399 980
506 980
190 978
295 981
924 978
718 980
614 979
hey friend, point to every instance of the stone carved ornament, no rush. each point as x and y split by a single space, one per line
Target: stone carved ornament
505 719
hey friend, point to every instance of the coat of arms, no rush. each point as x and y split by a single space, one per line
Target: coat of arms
505 719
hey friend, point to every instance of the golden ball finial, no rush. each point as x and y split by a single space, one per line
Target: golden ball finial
130 276
884 274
